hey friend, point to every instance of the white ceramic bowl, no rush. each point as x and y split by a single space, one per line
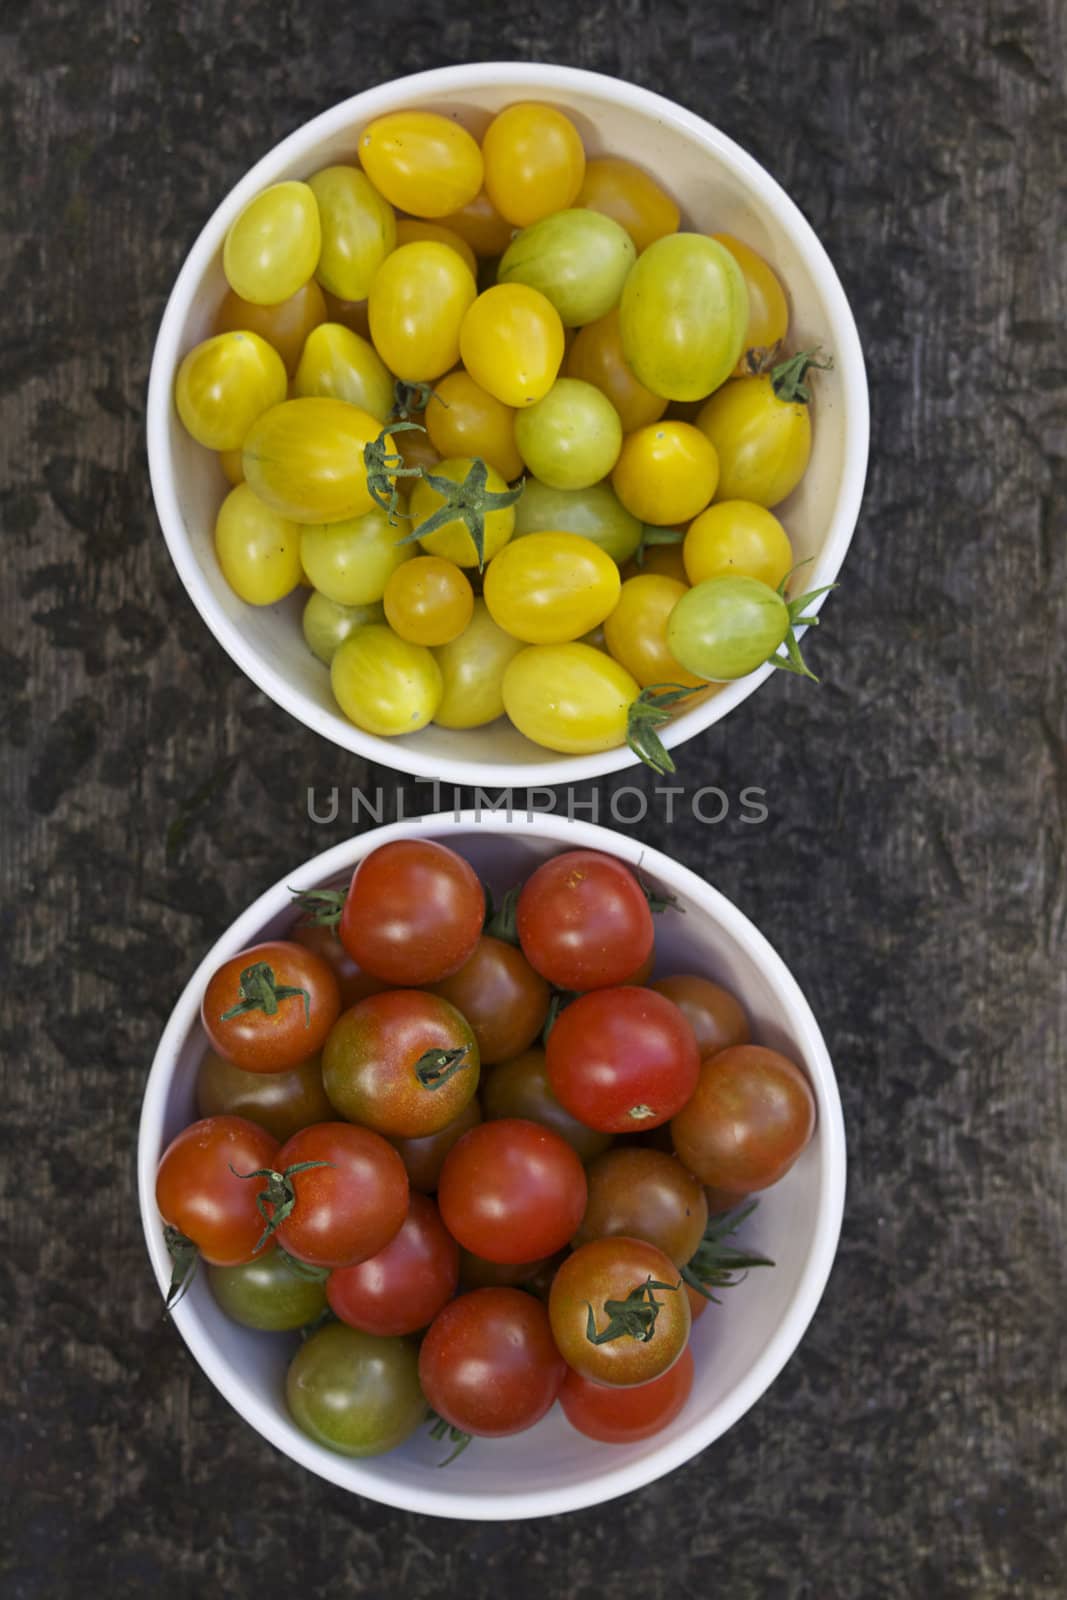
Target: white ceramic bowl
739 1346
718 187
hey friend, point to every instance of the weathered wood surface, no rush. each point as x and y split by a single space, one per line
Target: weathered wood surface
911 869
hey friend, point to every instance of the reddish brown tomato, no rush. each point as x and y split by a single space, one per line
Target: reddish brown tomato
270 1007
348 1208
281 1102
489 1365
638 1332
353 983
413 913
476 1273
403 1062
502 997
622 1416
645 1194
584 921
425 1157
404 1286
520 1088
751 1115
512 1191
198 1192
716 1017
622 1060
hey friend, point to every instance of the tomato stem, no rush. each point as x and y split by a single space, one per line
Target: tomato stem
444 1430
185 1258
787 378
276 1201
715 1264
559 1001
322 908
385 466
434 1067
260 991
632 1318
469 502
647 713
409 397
501 921
793 661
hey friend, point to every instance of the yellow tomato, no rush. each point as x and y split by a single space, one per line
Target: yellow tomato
482 226
569 697
463 419
429 601
763 443
472 669
230 462
666 473
351 562
224 384
453 541
512 343
550 588
421 162
285 325
409 230
258 551
358 230
768 309
305 459
326 624
636 631
631 198
738 537
339 365
384 684
534 162
272 248
596 357
417 302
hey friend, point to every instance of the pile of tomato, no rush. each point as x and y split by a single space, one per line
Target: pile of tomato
520 436
475 1153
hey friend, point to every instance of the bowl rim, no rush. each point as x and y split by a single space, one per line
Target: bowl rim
359 1476
437 83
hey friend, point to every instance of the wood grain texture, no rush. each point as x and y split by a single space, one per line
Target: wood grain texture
911 869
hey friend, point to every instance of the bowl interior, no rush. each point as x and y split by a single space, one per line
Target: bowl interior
719 189
739 1345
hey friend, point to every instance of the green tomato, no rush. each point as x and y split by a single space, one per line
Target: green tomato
358 230
355 1392
339 364
578 260
726 627
327 625
683 315
268 1293
570 439
351 562
595 512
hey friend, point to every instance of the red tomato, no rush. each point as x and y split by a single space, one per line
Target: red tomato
716 1017
584 921
751 1115
413 913
512 1191
270 1007
198 1192
354 984
425 1157
403 1062
622 1416
489 1365
348 1208
404 1286
638 1330
622 1060
502 997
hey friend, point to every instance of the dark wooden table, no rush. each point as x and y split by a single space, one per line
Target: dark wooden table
911 868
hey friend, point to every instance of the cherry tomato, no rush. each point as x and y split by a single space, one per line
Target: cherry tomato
520 1088
351 562
501 996
569 697
403 1062
698 1303
622 1060
464 420
325 941
481 225
595 512
401 1289
273 246
474 1273
472 670
416 450
636 631
751 1114
326 624
435 910
666 473
512 1191
258 551
768 309
285 325
512 343
596 357
683 315
738 538
337 364
534 162
584 921
358 231
572 437
383 683
623 1416
409 230
281 1102
421 162
268 1293
230 462
635 201
349 1203
354 1392
716 1017
224 384
763 443
350 313
550 588
726 627
304 458
428 601
199 1193
270 1007
488 1365
640 1330
577 259
424 1158
645 1194
453 541
418 300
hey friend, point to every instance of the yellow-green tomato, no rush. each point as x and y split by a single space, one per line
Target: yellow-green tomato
305 459
422 162
351 562
550 588
453 541
272 249
472 670
572 437
596 513
385 684
339 365
569 697
763 443
269 1293
683 315
416 306
740 537
577 259
636 631
326 624
258 551
358 230
428 600
356 1393
224 384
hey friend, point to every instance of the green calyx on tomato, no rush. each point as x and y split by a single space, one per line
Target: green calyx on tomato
260 992
444 1430
787 378
384 466
561 998
435 1067
793 661
184 1257
469 502
652 536
647 713
632 1318
409 397
500 920
275 1203
321 907
658 899
717 1265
